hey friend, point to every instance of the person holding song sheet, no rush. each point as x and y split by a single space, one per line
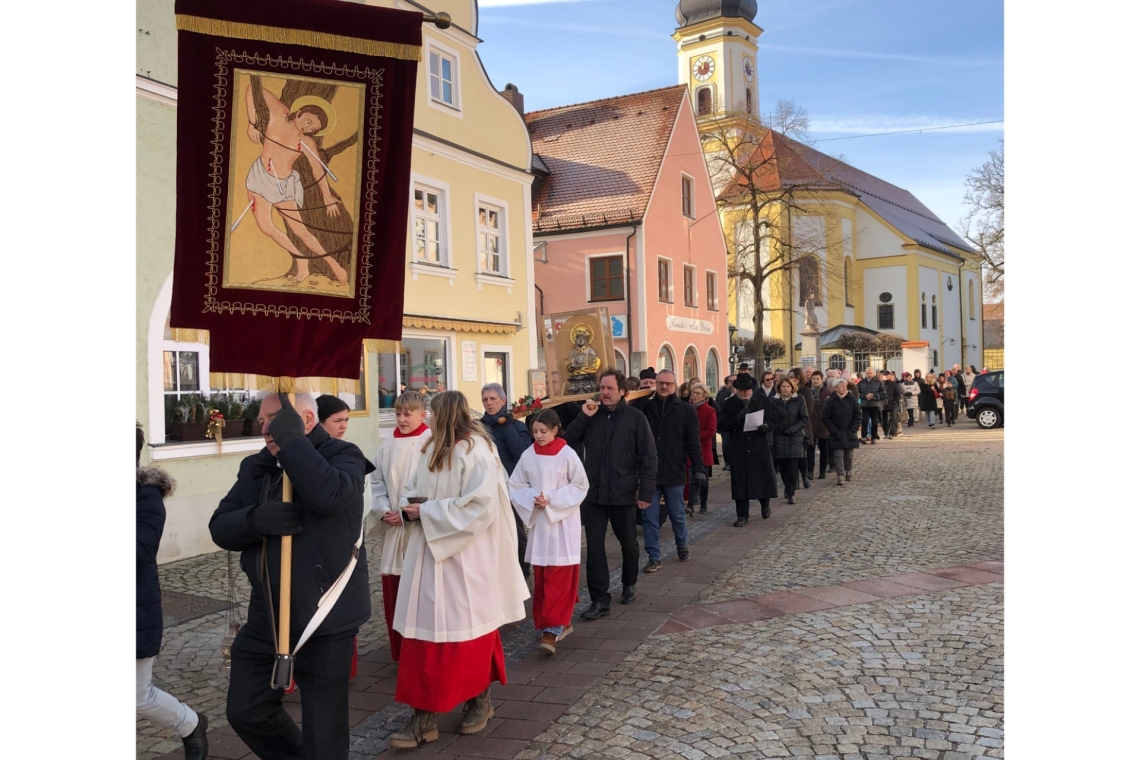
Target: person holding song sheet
460 581
747 453
325 519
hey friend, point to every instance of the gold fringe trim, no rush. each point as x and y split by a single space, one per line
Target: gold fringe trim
460 325
189 335
333 385
322 40
377 346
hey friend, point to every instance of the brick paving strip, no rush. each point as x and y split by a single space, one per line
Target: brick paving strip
541 687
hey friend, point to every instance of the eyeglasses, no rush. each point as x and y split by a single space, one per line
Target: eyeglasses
664 384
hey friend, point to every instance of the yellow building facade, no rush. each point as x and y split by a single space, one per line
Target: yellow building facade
882 260
468 295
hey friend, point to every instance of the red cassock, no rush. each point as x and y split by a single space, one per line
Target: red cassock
555 594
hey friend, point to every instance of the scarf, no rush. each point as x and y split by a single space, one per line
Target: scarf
550 449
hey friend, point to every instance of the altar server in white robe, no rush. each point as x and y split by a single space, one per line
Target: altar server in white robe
547 487
396 462
461 578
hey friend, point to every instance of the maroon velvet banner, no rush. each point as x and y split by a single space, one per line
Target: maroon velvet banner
294 160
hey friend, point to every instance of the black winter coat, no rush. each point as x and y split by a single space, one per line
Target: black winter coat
874 387
818 429
151 486
748 455
724 394
677 434
841 416
786 422
328 483
894 394
927 401
621 456
511 439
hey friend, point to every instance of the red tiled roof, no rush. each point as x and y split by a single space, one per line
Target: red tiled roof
603 157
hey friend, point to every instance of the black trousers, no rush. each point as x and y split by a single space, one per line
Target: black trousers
824 460
789 473
870 427
595 517
807 464
742 506
909 417
521 528
255 711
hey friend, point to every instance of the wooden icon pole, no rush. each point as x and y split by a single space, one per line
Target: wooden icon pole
286 570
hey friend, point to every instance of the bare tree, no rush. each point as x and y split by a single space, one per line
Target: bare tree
984 225
781 219
789 119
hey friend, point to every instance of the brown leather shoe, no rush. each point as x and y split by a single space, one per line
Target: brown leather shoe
549 640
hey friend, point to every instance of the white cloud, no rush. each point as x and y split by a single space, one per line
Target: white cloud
614 31
878 124
837 53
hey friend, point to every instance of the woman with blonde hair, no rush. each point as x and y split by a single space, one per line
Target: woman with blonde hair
460 580
699 397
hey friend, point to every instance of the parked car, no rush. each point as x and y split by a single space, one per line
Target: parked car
986 400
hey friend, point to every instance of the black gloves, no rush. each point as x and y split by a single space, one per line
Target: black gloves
763 428
287 425
276 518
700 476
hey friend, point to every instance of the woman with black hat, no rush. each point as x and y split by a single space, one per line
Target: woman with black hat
747 454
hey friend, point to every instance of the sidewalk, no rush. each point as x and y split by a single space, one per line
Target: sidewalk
878 548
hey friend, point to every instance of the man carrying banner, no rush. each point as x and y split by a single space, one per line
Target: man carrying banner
325 518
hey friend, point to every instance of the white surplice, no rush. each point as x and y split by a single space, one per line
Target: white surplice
555 532
396 461
461 577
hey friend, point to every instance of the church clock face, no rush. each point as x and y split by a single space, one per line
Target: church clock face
703 68
749 69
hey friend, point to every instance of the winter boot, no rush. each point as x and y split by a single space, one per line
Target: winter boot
196 746
476 713
421 729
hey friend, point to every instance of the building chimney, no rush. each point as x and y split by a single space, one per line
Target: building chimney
512 94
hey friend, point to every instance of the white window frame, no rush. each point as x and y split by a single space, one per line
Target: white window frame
715 291
719 368
482 276
445 268
488 348
669 284
696 304
456 108
672 354
686 178
625 360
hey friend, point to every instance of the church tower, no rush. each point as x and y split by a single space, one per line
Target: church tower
716 55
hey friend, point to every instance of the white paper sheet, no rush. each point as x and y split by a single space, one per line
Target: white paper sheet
753 421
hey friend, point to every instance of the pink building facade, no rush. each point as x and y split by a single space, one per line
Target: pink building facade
627 220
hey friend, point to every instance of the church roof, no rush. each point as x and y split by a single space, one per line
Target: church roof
603 158
692 11
798 165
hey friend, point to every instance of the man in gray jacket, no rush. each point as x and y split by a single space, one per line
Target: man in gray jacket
872 393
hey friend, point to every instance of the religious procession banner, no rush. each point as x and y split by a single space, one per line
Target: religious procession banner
294 160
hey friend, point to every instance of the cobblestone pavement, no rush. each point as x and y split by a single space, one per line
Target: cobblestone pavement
917 675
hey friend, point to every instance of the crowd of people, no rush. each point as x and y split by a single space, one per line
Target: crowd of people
475 514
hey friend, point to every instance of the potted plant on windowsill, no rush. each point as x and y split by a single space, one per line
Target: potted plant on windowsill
188 420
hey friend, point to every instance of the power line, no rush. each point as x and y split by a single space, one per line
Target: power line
907 131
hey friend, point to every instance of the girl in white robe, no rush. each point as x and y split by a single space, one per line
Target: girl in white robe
396 462
461 578
547 487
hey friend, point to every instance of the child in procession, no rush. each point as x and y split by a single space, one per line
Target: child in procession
396 462
547 487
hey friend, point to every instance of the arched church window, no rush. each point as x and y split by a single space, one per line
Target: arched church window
704 101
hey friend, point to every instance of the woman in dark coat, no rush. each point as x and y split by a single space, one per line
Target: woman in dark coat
151 485
807 463
927 397
786 420
747 454
841 417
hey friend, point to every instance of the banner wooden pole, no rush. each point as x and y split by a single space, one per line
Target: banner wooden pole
286 570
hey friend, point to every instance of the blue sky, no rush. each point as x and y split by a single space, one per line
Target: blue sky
859 67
